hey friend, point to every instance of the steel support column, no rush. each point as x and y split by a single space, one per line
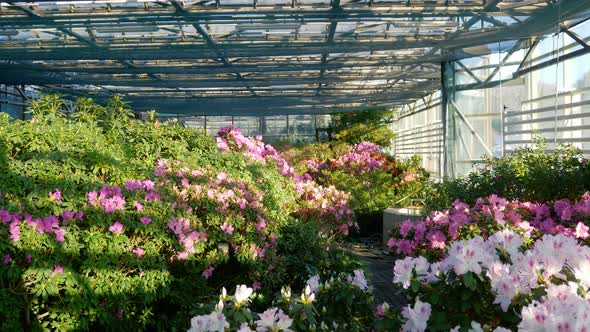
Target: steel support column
448 119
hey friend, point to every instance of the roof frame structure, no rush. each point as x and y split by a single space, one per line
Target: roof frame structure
261 56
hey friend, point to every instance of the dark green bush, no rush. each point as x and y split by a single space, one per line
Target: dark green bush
319 257
527 174
365 126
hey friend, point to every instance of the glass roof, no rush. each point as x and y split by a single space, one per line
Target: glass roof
247 57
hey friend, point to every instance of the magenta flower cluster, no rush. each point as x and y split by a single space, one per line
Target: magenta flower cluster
46 225
361 158
109 198
436 231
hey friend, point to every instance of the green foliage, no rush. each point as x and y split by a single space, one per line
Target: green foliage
345 305
88 111
527 174
47 107
366 126
458 303
41 156
411 181
371 192
10 319
320 256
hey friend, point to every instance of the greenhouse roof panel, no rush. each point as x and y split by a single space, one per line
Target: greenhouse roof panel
336 55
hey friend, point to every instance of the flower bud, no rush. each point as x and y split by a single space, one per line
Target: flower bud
219 306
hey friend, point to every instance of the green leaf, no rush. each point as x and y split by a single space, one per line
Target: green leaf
469 281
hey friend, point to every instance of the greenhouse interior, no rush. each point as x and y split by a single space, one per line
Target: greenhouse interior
295 165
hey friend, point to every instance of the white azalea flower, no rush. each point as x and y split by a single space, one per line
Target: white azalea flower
242 294
358 279
417 317
314 283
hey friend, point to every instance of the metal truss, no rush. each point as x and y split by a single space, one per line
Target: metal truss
522 69
261 56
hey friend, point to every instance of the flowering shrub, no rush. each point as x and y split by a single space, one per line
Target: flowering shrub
108 223
497 265
327 204
431 237
375 180
151 225
341 303
497 282
361 158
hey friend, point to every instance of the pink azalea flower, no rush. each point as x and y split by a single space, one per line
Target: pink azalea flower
45 225
406 227
147 184
145 220
405 247
208 272
391 243
56 196
57 269
227 228
581 231
260 252
15 231
118 202
138 252
261 225
548 226
92 198
437 239
59 235
419 231
526 226
67 215
138 206
256 285
79 216
5 216
116 228
132 185
152 196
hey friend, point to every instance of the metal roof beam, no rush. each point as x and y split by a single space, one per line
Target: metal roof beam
20 78
230 51
372 14
329 41
271 99
211 43
535 25
207 69
189 110
78 37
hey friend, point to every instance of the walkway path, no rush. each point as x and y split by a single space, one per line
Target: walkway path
379 267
